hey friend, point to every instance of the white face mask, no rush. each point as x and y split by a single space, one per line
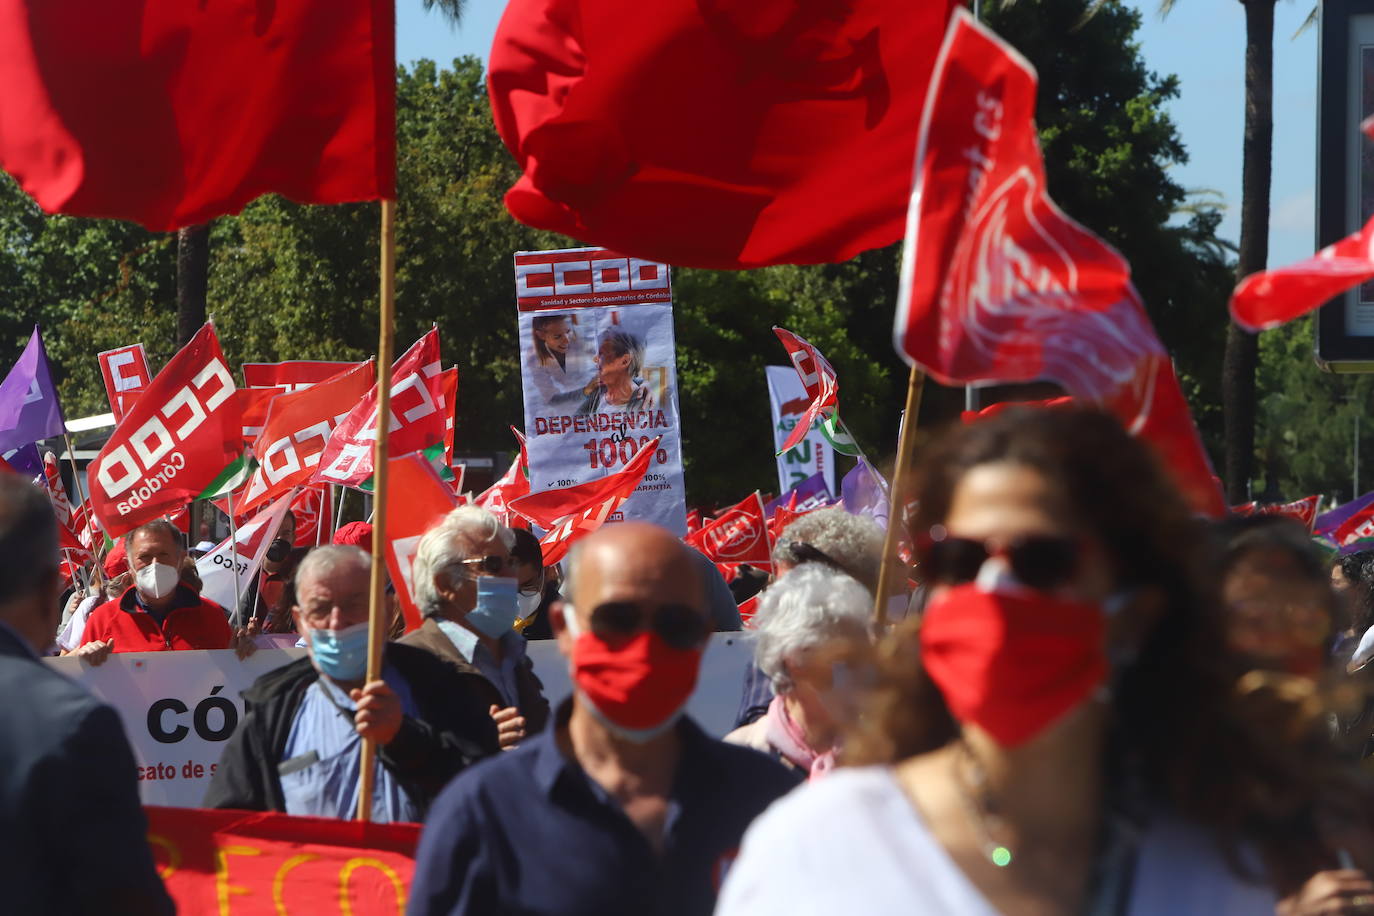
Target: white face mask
528 603
156 580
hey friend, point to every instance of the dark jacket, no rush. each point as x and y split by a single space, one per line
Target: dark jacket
68 799
452 731
532 704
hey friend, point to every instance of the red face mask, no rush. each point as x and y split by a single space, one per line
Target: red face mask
639 687
1012 663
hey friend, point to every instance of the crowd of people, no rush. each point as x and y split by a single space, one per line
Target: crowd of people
1097 703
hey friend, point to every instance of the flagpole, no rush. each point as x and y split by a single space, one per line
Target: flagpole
234 558
906 442
96 542
376 628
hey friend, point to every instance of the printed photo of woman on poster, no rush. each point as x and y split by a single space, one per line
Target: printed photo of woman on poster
561 369
620 386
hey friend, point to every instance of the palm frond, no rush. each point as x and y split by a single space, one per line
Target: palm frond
1308 23
452 10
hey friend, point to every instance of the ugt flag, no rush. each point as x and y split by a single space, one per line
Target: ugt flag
182 439
168 112
999 285
29 409
714 133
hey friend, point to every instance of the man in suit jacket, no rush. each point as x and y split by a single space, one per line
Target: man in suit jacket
465 587
68 786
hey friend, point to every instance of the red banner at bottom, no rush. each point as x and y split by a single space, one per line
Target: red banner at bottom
248 862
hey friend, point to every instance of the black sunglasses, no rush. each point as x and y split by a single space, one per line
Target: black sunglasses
1039 561
681 626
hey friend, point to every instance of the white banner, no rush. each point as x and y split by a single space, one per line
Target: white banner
178 709
600 374
220 567
813 455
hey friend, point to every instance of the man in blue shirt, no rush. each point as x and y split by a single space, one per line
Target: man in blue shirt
623 805
297 748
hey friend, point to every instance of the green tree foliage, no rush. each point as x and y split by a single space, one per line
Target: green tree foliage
291 281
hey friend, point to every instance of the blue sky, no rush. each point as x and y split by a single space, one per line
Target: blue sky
1202 41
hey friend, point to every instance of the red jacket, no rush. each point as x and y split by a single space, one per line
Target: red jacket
192 623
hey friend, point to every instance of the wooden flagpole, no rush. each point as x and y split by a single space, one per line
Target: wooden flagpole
906 442
376 621
96 541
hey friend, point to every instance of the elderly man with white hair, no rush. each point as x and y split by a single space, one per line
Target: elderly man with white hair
812 606
297 748
465 585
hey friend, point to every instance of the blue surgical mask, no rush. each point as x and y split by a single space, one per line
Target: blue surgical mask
497 606
341 655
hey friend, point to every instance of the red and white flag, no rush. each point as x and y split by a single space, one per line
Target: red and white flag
69 521
292 374
181 438
737 535
416 423
125 372
313 510
1356 528
1269 298
417 499
571 513
227 571
513 484
1303 511
298 429
819 378
999 285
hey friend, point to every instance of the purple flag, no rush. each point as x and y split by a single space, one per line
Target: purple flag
865 493
29 409
812 493
25 460
1330 521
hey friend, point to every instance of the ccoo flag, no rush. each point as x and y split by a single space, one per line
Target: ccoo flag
169 113
29 409
999 285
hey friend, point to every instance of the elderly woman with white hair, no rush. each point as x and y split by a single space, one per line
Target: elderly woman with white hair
814 605
463 580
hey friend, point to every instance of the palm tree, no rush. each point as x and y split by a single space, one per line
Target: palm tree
1242 347
452 10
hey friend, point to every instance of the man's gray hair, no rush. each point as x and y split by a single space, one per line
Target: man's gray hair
852 544
810 606
447 544
325 560
156 526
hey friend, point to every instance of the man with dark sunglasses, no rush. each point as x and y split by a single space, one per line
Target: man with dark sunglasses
625 804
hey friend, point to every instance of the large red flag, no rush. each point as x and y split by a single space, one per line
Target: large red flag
417 417
183 434
512 485
418 500
572 513
714 133
738 535
169 113
297 430
999 285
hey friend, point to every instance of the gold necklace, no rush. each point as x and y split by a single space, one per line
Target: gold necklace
983 816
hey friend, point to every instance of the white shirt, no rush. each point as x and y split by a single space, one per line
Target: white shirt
75 628
559 387
853 843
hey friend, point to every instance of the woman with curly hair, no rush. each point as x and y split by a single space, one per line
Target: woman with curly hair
1061 731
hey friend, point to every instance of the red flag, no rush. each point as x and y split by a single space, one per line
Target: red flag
448 385
312 507
181 436
292 374
737 535
298 428
512 485
67 519
255 402
998 285
170 113
572 513
747 610
417 417
125 372
992 410
1356 528
1244 509
694 522
1270 298
1303 511
714 133
819 378
418 499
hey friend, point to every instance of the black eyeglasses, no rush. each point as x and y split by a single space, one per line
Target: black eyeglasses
492 564
681 626
1040 561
